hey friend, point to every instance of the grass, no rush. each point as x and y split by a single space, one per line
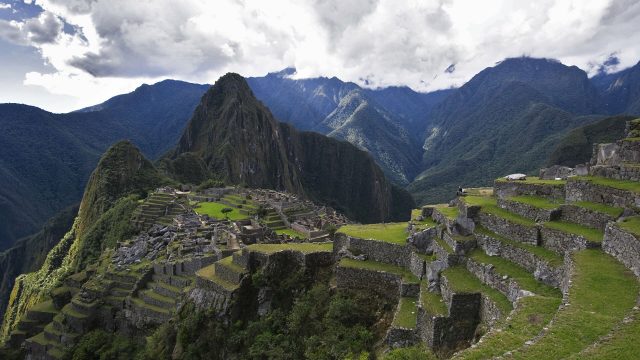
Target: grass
591 234
515 272
462 281
427 258
45 306
536 201
532 313
481 191
406 275
305 248
407 314
601 208
622 344
489 206
214 209
431 302
292 233
549 256
601 293
228 263
68 310
143 304
450 212
209 273
631 224
534 180
395 233
628 185
443 244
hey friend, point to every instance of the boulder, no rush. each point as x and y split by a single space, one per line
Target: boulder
516 177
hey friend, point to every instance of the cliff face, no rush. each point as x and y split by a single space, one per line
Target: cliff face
122 171
239 140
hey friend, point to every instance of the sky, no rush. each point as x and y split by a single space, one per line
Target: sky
63 55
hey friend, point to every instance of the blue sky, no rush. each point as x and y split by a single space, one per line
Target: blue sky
62 55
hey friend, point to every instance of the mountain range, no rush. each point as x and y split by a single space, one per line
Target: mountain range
508 118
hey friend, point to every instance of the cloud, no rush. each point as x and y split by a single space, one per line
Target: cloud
5 6
371 42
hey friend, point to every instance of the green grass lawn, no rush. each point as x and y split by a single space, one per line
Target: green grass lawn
379 266
515 272
627 185
407 314
601 293
305 248
534 180
631 224
214 209
209 273
432 303
451 212
489 206
537 201
292 233
622 344
532 313
601 208
591 234
551 257
462 281
395 233
443 244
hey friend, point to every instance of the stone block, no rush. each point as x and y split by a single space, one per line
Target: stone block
622 245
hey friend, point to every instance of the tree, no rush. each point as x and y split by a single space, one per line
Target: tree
225 212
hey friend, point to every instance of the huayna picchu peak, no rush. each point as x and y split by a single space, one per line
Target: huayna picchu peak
321 180
240 141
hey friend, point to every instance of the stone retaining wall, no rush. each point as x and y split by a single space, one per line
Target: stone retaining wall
459 247
487 274
529 211
505 189
400 337
561 242
583 190
417 265
510 230
226 273
540 268
490 313
622 245
586 217
422 240
384 284
620 172
381 251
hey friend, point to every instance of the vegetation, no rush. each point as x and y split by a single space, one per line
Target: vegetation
462 281
417 352
601 293
601 208
406 314
631 224
524 278
451 212
305 248
431 302
489 205
551 257
395 233
102 345
219 211
627 185
621 343
379 266
532 313
591 234
537 201
292 233
576 147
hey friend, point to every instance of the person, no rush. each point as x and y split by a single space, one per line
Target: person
460 191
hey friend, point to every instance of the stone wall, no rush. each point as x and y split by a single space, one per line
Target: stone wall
586 217
417 265
624 246
459 247
629 151
528 211
384 284
381 251
400 337
510 230
583 190
487 274
620 172
505 189
561 242
540 268
422 240
490 313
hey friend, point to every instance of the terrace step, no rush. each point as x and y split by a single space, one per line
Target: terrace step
459 244
601 292
206 278
562 236
150 313
532 207
616 193
402 332
383 278
152 298
173 280
590 214
545 265
507 277
532 186
443 252
165 289
229 271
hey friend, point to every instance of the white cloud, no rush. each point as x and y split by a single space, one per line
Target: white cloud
120 43
5 6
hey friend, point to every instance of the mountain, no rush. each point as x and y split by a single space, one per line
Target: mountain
121 176
620 91
506 119
384 122
239 140
47 158
29 253
577 146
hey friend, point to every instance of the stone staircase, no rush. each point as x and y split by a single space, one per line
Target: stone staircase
273 220
222 279
159 207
